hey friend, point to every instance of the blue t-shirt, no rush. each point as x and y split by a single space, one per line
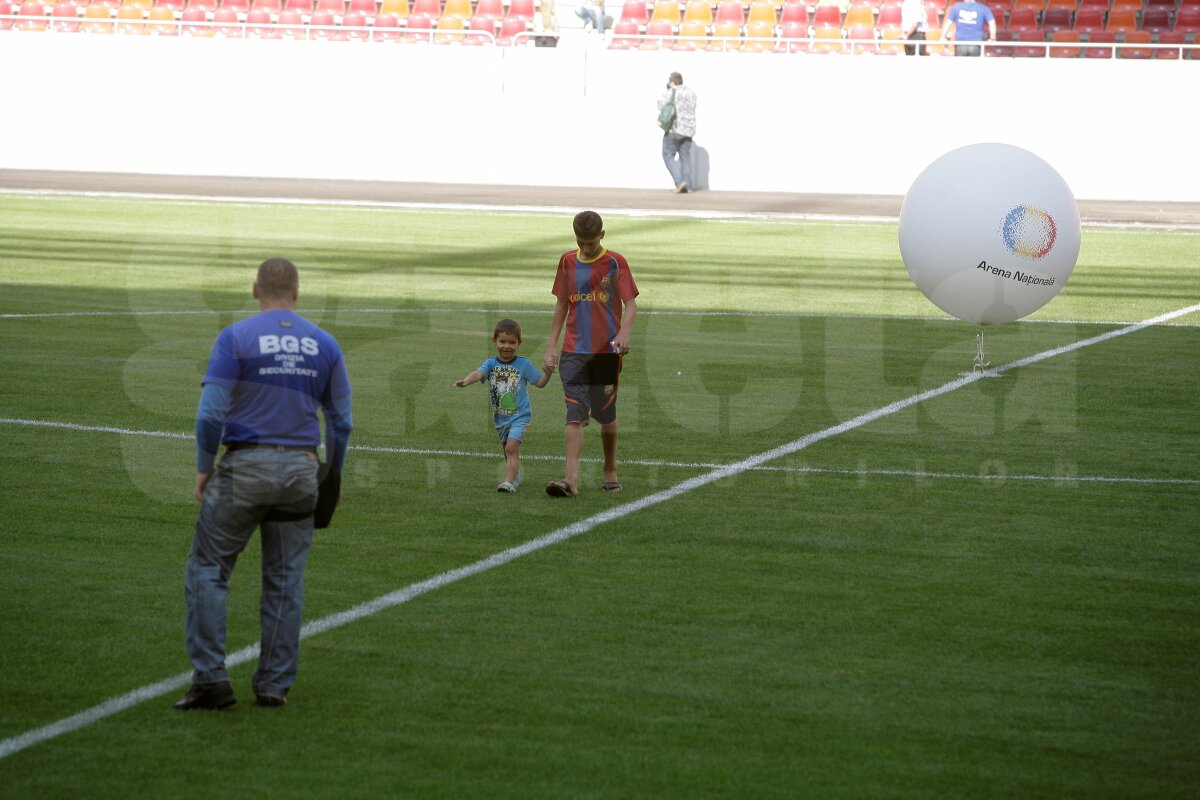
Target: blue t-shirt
277 368
508 387
970 19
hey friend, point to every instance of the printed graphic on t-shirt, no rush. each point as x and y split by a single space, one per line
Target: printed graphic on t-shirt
503 384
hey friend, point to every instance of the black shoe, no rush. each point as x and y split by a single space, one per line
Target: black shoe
270 700
208 696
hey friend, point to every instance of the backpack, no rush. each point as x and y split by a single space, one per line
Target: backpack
666 116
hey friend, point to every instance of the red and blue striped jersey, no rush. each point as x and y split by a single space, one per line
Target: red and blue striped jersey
595 292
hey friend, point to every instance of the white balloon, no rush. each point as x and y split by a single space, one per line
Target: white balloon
989 233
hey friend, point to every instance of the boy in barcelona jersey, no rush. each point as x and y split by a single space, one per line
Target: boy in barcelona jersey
595 305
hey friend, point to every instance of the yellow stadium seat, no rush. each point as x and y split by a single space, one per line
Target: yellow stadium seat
860 14
761 11
666 11
698 11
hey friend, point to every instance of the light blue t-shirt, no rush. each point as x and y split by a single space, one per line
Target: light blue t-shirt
508 387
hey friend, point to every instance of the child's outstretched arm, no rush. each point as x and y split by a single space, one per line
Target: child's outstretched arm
474 377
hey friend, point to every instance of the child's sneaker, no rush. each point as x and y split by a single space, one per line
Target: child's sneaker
506 487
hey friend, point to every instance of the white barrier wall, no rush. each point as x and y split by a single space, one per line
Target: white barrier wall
581 115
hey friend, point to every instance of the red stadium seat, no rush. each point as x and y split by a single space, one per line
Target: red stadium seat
1056 19
826 16
1023 19
259 22
273 7
1089 19
890 16
418 30
1034 48
229 28
1102 38
1187 19
65 17
794 29
386 29
1068 41
637 11
1170 37
354 25
491 11
730 11
521 9
1133 41
335 7
32 17
862 40
623 33
659 33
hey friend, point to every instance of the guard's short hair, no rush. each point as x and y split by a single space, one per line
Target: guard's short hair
676 79
277 278
509 326
588 225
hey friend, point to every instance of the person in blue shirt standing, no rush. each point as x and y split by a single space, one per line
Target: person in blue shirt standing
266 378
507 374
968 19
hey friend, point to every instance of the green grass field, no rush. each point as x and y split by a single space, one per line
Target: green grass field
995 592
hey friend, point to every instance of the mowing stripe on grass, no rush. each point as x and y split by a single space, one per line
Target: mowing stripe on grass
639 462
116 705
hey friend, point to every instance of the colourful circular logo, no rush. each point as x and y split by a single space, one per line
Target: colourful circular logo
1029 232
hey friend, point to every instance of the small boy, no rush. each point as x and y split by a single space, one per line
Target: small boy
596 305
507 375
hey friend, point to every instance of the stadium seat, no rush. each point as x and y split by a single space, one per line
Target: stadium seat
457 8
863 40
291 24
892 43
355 26
762 11
97 18
1023 18
1056 19
521 9
386 28
32 17
827 16
1065 5
726 35
228 23
1187 20
258 22
1036 6
760 36
427 9
658 33
637 11
1002 47
335 7
1156 19
1102 38
693 34
64 16
450 30
162 22
1068 43
480 31
144 5
1033 48
665 11
320 25
303 6
491 11
794 12
697 11
1134 42
1000 9
1123 5
272 7
1088 20
859 13
623 38
1103 5
793 29
1121 20
131 20
394 8
1169 37
825 37
729 11
890 16
511 31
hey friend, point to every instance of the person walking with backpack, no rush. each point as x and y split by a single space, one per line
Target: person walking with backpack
678 132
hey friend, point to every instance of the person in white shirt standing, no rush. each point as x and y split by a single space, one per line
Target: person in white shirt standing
914 21
677 142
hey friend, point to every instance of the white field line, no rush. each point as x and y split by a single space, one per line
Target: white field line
690 465
528 210
400 596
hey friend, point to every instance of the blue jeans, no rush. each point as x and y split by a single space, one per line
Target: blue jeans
681 169
245 487
592 14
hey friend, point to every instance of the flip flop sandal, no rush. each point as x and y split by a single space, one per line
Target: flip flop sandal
611 486
506 487
559 489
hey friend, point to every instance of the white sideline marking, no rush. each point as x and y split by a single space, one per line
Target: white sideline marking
673 213
638 462
400 596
